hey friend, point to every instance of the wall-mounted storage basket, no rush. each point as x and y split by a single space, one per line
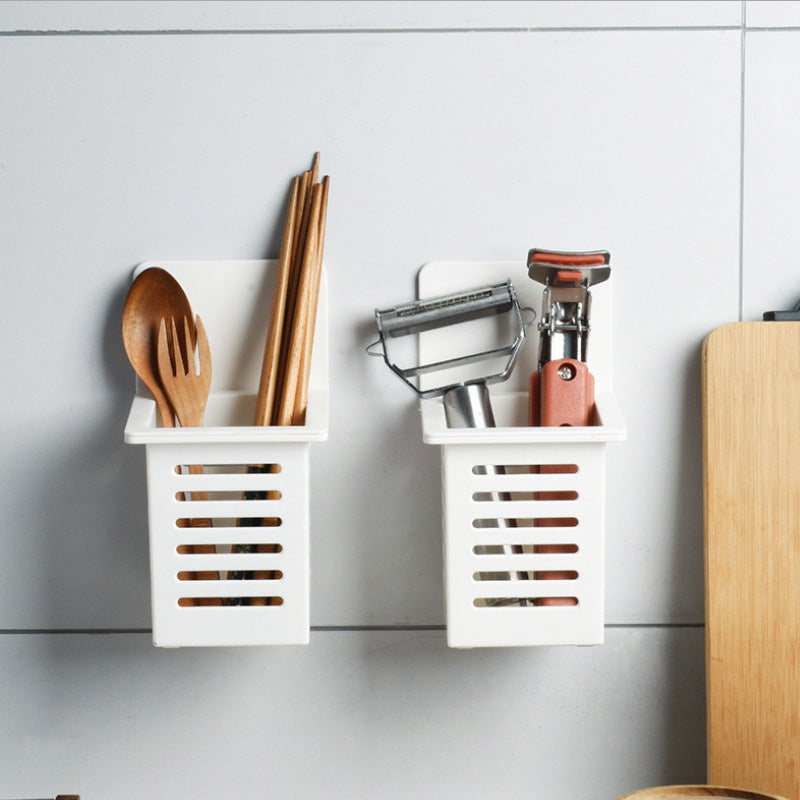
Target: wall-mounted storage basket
523 507
260 546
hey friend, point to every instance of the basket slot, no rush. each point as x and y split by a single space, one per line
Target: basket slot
519 496
506 548
194 575
485 523
230 469
239 546
487 470
225 604
507 603
236 495
223 524
525 574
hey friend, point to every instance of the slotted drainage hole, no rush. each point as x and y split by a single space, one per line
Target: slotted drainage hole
271 494
229 469
509 497
522 549
227 522
228 549
194 602
209 575
525 522
524 469
526 602
537 575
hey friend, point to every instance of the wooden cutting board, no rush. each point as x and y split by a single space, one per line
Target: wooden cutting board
751 447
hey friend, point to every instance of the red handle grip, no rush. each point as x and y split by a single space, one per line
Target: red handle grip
562 393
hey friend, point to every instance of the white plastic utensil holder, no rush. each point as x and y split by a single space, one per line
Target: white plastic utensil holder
523 507
231 566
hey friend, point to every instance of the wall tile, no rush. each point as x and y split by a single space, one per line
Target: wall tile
234 15
770 14
355 714
771 195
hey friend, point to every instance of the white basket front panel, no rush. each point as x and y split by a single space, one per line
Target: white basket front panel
256 575
507 508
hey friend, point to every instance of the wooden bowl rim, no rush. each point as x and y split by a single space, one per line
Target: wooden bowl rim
686 790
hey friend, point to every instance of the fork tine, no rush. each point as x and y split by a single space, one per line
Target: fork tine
177 350
191 363
162 351
203 349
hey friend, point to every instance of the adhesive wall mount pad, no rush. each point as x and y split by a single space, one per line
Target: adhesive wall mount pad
523 507
258 520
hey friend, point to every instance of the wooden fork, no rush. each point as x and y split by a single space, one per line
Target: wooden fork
187 388
185 385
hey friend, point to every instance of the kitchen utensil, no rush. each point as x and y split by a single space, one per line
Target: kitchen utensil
751 441
562 389
291 337
153 296
265 399
283 385
301 395
186 378
467 403
282 396
299 334
186 382
282 393
697 793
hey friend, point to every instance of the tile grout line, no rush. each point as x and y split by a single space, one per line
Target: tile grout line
367 31
741 159
322 629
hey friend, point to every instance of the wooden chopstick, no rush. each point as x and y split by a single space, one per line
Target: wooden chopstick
297 334
299 237
301 394
267 387
283 384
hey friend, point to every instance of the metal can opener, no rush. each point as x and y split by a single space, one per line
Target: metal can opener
562 388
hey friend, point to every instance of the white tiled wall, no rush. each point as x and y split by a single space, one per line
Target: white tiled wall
664 132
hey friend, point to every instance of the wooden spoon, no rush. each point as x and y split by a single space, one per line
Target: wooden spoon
153 296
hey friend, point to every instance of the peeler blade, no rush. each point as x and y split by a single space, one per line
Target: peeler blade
417 316
445 310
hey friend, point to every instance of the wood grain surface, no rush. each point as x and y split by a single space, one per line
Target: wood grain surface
696 793
751 440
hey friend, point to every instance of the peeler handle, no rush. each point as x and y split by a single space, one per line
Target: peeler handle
561 394
556 402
